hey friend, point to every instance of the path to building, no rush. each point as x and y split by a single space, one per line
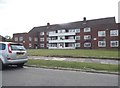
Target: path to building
89 60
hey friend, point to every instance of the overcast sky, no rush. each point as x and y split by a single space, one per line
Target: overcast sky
18 16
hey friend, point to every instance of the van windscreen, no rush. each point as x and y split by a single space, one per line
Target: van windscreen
17 47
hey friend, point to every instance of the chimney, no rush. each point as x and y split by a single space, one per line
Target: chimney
84 19
48 24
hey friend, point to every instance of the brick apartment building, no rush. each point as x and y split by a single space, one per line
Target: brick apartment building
86 34
2 39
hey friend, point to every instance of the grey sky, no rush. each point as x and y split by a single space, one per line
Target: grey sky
22 15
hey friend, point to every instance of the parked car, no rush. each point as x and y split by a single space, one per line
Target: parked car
12 54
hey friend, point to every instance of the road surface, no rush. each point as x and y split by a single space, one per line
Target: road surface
29 76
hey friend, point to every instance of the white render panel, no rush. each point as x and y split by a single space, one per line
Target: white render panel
62 34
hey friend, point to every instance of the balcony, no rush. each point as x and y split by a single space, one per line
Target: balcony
62 34
61 48
59 41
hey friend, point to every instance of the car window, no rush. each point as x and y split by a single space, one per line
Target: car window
17 47
2 46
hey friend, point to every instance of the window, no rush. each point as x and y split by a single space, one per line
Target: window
61 31
72 30
30 39
114 33
101 43
77 30
88 29
16 39
41 33
101 33
48 39
114 43
77 44
21 38
42 45
30 45
52 32
2 46
87 44
77 37
35 39
41 39
87 37
53 45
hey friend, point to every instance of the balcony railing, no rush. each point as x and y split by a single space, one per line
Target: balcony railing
62 34
58 41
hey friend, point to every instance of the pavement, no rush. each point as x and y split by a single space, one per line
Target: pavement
88 60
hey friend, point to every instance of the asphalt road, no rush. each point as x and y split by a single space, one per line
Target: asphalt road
29 76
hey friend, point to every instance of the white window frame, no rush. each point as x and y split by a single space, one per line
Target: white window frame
30 45
42 45
16 38
117 43
99 45
101 33
77 44
20 38
36 39
30 38
87 43
42 33
77 37
71 30
42 39
87 37
61 31
77 30
113 32
87 29
52 32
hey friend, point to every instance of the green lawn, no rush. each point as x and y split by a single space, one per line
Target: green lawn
75 65
75 53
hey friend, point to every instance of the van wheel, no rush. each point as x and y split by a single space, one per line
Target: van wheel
20 65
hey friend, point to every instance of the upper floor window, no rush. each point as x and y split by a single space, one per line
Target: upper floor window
87 44
16 38
21 38
61 31
87 37
52 32
114 33
101 33
114 43
77 30
77 37
35 39
41 33
30 38
72 30
101 43
87 29
71 37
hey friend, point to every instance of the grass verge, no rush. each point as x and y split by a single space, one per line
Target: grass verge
74 65
109 54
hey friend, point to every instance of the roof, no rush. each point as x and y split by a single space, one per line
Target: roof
73 25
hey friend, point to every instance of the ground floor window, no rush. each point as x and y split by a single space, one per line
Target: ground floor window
101 43
87 44
30 45
114 43
77 44
42 45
